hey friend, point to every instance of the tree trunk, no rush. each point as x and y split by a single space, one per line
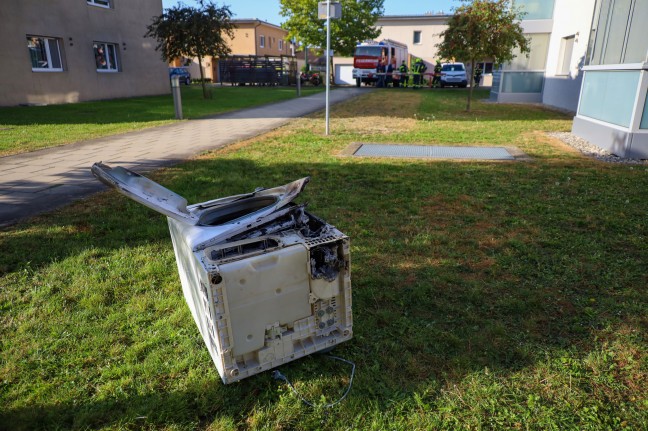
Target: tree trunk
471 80
202 77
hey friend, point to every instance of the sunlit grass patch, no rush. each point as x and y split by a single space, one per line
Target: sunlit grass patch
506 295
28 128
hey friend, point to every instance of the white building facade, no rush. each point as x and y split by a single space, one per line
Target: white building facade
567 51
522 80
421 33
613 107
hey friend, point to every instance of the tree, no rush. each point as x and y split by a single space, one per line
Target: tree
356 24
192 32
482 29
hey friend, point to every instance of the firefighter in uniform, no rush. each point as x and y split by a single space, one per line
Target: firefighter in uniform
436 81
418 69
404 77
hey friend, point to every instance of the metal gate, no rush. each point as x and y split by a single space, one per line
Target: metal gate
257 70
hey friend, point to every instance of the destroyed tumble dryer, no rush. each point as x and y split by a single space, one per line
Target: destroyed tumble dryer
266 281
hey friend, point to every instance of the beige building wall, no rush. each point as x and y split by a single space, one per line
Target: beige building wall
77 24
243 42
247 40
256 37
403 28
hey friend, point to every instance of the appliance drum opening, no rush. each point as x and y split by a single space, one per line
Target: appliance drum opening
232 211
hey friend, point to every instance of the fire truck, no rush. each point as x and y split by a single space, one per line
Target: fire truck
367 55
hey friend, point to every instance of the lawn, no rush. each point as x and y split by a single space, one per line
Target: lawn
29 128
486 295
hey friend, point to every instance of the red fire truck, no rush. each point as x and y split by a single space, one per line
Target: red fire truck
367 55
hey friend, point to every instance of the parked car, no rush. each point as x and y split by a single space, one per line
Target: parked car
453 74
182 72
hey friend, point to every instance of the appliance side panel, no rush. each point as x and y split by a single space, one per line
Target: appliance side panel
195 287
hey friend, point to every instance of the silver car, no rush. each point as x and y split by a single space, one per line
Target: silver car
453 74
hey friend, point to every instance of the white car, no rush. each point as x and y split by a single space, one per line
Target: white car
453 74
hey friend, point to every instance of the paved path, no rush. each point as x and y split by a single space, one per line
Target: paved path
40 181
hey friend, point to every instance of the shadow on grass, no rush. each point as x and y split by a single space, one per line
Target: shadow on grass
147 109
456 268
445 104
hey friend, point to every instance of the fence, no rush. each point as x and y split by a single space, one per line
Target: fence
257 70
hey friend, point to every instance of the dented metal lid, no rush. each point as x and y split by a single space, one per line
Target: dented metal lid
231 209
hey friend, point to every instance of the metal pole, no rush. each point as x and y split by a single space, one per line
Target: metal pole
177 98
328 54
298 83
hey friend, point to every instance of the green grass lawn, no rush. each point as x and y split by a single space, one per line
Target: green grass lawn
486 295
29 128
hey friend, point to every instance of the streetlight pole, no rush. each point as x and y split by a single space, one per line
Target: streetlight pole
328 62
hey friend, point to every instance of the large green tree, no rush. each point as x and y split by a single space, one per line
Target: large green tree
357 23
192 32
483 29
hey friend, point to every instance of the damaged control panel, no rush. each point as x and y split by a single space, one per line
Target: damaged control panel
266 281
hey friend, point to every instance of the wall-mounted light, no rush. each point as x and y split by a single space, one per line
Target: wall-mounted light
71 42
124 46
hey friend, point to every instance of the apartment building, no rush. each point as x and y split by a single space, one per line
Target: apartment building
522 79
252 37
256 37
77 50
613 105
421 33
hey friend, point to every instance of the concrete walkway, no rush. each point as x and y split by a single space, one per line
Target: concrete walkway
43 180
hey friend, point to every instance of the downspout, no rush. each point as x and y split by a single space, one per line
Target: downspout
255 37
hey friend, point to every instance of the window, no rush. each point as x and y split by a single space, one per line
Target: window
536 9
100 3
486 67
565 57
644 118
45 54
106 57
373 51
262 41
619 33
417 37
537 59
609 95
522 82
453 67
280 45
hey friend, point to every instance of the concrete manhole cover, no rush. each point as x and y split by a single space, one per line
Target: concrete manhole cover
434 152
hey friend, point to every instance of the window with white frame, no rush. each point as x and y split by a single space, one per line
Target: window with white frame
105 56
565 57
280 45
262 41
417 37
45 54
100 3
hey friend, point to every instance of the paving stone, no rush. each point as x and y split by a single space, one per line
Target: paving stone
43 180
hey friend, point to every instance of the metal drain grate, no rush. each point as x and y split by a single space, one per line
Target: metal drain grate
427 151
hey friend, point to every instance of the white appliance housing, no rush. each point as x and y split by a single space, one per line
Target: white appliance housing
266 281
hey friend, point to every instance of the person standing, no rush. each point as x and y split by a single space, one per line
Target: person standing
404 77
418 69
478 74
391 67
436 80
380 71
